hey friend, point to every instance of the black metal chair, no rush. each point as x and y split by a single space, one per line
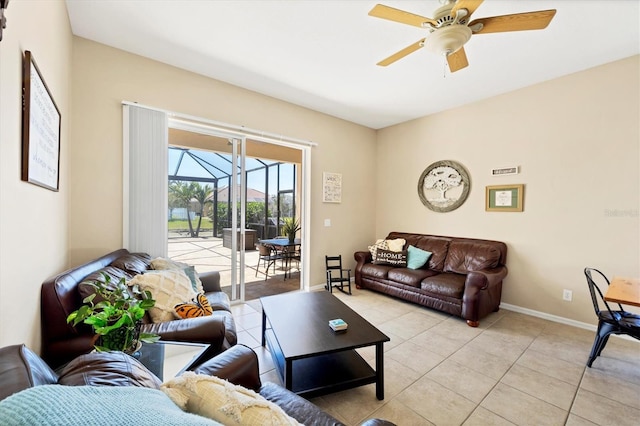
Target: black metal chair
291 254
267 256
609 321
339 280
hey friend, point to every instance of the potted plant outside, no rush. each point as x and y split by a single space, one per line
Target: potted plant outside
117 316
290 228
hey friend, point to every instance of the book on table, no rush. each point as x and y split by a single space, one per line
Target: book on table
338 324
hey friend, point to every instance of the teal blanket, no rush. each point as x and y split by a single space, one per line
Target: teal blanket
87 405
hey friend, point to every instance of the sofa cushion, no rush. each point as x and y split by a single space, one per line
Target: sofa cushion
397 244
468 256
107 369
163 264
417 258
438 246
449 285
379 244
397 259
198 307
169 288
86 289
412 277
133 263
376 271
223 401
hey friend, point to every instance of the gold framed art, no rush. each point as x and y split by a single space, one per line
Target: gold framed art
505 198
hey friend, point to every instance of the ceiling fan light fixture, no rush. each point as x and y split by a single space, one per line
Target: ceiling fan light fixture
447 40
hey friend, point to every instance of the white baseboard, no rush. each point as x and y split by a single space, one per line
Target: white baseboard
547 316
533 313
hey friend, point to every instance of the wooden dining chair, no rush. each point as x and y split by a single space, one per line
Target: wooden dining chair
337 277
610 321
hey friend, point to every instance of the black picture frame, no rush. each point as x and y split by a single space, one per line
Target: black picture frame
41 124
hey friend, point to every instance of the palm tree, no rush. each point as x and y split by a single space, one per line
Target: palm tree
181 194
202 194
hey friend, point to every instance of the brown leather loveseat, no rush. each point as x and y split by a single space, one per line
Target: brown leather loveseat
463 276
61 295
21 369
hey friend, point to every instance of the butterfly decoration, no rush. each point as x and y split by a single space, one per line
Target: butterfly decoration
198 307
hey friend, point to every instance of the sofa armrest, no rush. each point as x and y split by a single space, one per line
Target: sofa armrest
20 369
482 280
210 281
238 364
361 258
207 329
482 293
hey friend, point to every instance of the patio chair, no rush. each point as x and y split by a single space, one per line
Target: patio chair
267 256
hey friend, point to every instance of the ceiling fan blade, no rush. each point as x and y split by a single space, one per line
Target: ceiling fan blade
457 60
401 54
397 15
470 5
517 22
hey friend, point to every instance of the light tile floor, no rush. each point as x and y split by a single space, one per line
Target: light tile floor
512 370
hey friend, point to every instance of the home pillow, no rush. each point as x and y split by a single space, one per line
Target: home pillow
168 288
396 244
417 258
394 258
163 264
222 401
379 244
198 307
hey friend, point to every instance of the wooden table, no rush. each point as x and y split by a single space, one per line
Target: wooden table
624 290
310 357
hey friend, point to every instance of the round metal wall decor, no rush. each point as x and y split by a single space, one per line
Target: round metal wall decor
444 186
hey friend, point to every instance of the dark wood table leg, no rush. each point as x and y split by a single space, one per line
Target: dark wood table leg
288 374
379 371
264 327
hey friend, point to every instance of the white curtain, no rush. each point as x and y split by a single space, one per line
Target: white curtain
145 206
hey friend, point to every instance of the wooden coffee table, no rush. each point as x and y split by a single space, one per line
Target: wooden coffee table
310 357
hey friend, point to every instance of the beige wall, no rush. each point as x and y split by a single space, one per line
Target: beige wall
577 142
33 220
104 77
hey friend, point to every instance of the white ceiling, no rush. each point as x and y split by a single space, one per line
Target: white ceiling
322 54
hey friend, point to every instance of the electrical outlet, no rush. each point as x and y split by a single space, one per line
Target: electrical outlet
567 295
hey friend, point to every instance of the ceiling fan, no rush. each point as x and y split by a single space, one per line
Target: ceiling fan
451 28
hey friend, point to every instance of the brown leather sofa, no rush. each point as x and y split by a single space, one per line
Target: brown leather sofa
463 276
61 295
20 369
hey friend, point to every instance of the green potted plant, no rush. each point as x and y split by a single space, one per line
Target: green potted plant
116 317
290 227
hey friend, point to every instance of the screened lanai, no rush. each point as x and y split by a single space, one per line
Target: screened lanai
199 187
200 214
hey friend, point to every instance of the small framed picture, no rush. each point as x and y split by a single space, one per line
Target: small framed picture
331 187
505 198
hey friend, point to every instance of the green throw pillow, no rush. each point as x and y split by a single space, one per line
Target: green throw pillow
416 258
